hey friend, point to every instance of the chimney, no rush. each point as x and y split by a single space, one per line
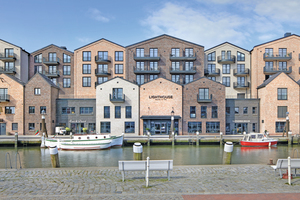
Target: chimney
63 47
287 34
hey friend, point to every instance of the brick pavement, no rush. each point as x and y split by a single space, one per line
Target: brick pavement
105 183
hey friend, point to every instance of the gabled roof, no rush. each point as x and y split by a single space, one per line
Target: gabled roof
50 46
15 46
15 79
163 36
269 80
275 40
160 78
97 41
116 78
204 78
45 78
226 43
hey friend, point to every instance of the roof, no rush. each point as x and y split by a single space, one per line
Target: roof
275 40
205 78
15 79
160 117
116 78
226 43
269 80
163 36
97 41
161 78
15 45
46 79
50 46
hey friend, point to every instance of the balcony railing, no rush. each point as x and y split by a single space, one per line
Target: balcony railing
238 85
183 70
244 72
8 70
277 56
188 57
226 59
8 57
51 61
204 100
116 99
273 70
147 57
51 74
102 59
101 72
4 97
146 70
209 72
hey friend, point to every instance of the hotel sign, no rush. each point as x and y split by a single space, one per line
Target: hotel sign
161 97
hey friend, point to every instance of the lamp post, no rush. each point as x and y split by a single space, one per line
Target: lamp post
172 124
44 130
287 125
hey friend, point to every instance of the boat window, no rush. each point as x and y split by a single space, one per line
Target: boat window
104 136
88 138
96 137
260 136
253 136
79 138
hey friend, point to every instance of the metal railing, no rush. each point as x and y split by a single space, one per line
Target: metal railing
51 73
275 55
226 58
4 97
241 72
241 84
51 60
104 72
102 58
212 72
279 69
183 69
204 100
6 160
116 98
146 69
7 55
7 69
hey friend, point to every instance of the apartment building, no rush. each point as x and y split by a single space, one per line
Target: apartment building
230 65
14 60
56 63
96 63
164 57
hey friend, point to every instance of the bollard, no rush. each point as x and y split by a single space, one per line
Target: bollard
228 148
54 157
221 139
290 138
197 142
43 141
173 139
147 172
148 133
137 151
289 169
16 139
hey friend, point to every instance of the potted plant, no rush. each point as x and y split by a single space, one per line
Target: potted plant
84 130
68 130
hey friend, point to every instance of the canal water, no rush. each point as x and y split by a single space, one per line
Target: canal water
34 157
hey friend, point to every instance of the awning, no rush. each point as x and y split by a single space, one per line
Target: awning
160 117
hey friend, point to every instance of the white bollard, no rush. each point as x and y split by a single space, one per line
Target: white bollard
54 157
137 151
147 172
228 149
43 141
289 169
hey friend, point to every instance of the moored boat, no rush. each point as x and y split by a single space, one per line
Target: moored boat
257 140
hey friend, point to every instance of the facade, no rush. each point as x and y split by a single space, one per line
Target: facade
164 57
57 64
14 60
11 105
96 63
76 114
117 104
203 107
40 95
229 65
242 115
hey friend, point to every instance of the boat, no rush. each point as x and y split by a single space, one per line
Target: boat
258 140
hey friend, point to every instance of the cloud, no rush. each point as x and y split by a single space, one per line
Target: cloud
96 15
83 39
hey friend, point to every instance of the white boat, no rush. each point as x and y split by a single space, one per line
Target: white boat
257 140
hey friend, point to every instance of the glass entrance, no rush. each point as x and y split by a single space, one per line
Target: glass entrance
77 128
159 127
239 128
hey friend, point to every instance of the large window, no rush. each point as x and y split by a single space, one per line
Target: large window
213 78
269 52
211 68
128 111
240 56
86 81
105 127
153 66
176 78
139 52
175 52
31 109
188 78
282 66
193 112
38 69
175 66
38 58
119 56
241 81
31 126
140 66
86 56
241 68
152 77
129 127
140 79
86 110
282 52
226 81
119 69
86 69
281 111
106 112
118 112
117 93
189 52
212 127
52 57
226 69
279 127
9 66
43 108
102 55
92 127
66 82
203 111
153 52
193 127
67 58
254 110
214 112
211 56
68 110
245 110
66 70
37 91
102 68
203 93
9 110
282 93
14 126
101 79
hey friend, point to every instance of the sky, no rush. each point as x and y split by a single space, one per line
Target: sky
34 24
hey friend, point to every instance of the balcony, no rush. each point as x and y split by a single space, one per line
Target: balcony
102 59
101 72
8 70
183 70
191 57
238 85
146 58
244 72
204 100
146 70
116 99
226 59
272 70
277 56
208 72
4 97
51 74
51 61
8 57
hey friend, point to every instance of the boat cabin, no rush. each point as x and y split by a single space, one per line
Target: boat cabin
253 137
90 137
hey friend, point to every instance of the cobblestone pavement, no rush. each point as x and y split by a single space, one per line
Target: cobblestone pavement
106 183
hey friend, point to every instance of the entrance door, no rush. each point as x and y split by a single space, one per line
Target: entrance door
157 128
77 128
163 128
2 129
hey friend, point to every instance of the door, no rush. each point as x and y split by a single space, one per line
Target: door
163 129
157 128
2 129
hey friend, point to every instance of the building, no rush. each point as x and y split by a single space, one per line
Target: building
229 64
96 63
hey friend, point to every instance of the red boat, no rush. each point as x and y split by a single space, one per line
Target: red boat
257 140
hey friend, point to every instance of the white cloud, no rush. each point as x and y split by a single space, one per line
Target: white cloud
83 39
96 15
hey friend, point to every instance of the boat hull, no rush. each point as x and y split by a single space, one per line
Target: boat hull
258 144
84 146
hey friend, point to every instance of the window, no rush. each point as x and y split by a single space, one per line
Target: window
213 78
194 127
38 58
282 66
66 70
105 127
203 111
52 57
117 93
175 66
66 82
129 127
241 68
140 66
189 52
86 69
226 81
139 52
106 112
175 52
193 112
245 110
43 108
31 109
128 111
269 65
38 68
203 93
228 54
86 81
269 52
153 52
9 110
31 126
240 56
68 110
227 110
212 127
117 111
241 95
227 127
211 68
102 55
102 68
14 126
92 127
226 69
282 93
37 91
223 54
86 56
236 110
3 94
254 110
67 58
176 78
153 66
189 78
9 66
152 77
214 112
140 79
54 80
279 127
281 111
254 125
9 52
119 56
86 110
119 69
241 81
101 79
211 56
282 52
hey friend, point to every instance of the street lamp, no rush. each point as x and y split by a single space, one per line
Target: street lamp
172 123
44 130
287 124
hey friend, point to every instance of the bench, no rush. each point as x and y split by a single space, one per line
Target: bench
283 164
154 165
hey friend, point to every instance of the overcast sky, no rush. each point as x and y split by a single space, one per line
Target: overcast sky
33 24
